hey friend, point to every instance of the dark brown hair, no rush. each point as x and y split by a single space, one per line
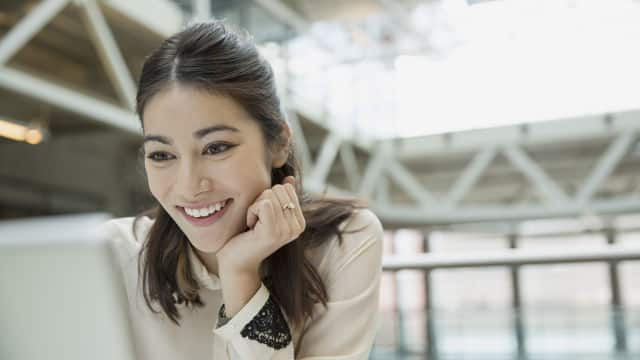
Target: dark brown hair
211 58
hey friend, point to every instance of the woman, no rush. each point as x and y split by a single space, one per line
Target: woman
235 263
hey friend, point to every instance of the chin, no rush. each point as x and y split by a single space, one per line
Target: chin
208 247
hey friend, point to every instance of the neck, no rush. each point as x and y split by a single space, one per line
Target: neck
209 260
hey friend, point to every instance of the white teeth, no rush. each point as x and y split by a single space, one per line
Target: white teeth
205 211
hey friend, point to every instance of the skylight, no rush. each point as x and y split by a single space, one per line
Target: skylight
495 63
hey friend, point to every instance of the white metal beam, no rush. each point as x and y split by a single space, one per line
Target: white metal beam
508 258
605 166
409 184
538 178
382 191
412 216
350 164
535 135
470 176
28 27
70 100
375 167
327 155
300 140
109 53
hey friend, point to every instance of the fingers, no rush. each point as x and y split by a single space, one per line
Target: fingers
290 223
252 215
297 212
290 180
262 211
269 209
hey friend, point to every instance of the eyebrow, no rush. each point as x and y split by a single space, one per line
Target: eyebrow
199 134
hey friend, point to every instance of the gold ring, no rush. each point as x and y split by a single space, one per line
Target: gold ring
288 206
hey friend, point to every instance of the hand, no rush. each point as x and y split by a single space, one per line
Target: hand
271 225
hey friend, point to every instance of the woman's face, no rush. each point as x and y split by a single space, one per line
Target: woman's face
204 152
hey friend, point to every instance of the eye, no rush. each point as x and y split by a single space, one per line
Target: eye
159 156
217 148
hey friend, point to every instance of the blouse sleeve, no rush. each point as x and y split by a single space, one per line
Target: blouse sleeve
345 330
258 331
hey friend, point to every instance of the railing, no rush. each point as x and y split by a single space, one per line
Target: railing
550 333
531 332
509 258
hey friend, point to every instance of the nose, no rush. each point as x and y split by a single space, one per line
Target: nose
193 180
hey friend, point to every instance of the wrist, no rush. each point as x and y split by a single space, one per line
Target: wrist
233 269
238 287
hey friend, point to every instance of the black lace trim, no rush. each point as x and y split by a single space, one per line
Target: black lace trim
268 327
222 317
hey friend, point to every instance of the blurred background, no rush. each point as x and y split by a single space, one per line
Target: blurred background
496 140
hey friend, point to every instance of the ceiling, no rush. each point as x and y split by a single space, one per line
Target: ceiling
101 133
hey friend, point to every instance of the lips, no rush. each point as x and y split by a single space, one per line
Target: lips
207 220
203 211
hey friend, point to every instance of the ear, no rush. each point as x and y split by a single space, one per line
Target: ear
280 151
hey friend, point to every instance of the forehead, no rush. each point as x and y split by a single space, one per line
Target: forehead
179 110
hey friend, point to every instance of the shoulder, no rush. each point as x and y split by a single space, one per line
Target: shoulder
363 223
127 231
360 241
362 235
353 265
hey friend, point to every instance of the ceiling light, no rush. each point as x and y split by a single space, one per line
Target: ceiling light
16 131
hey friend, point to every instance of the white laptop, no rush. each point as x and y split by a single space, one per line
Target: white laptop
61 292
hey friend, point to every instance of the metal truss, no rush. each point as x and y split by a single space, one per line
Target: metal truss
71 100
54 94
406 164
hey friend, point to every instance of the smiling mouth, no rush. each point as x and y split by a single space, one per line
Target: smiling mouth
208 215
206 211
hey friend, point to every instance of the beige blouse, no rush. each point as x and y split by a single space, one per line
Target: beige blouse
345 330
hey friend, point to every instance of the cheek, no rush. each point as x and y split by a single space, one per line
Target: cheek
260 172
158 183
249 176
